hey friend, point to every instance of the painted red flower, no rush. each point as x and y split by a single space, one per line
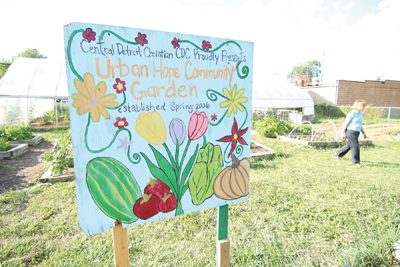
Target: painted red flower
119 86
175 42
121 123
141 38
206 45
235 137
214 117
89 35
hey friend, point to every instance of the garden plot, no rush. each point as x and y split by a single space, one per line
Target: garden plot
258 150
14 150
10 140
50 177
325 135
21 134
34 141
61 169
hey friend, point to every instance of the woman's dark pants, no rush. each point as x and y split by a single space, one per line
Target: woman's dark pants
352 143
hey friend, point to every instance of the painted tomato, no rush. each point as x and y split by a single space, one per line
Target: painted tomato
146 206
156 187
167 203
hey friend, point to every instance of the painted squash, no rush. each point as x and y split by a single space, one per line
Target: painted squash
233 181
113 188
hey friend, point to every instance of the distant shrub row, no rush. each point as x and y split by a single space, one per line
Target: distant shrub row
272 127
330 112
334 112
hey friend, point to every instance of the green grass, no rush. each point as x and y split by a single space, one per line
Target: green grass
52 134
327 212
305 209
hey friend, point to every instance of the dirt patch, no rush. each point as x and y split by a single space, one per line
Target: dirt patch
37 123
383 131
24 170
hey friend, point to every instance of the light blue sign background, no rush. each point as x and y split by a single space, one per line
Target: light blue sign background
86 43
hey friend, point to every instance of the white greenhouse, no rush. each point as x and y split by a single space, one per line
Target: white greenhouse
30 88
274 94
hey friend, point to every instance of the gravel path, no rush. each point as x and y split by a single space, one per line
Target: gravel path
25 169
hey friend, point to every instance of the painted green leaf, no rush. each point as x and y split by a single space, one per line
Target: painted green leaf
213 170
113 188
187 170
159 173
208 165
166 167
198 183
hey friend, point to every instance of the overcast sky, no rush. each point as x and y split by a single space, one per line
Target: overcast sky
354 39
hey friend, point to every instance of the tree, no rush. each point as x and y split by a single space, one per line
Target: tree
4 64
31 53
310 68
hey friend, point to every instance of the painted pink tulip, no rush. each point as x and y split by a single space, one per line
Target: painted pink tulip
177 131
198 124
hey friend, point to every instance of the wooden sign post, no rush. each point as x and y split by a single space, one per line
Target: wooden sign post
121 251
223 246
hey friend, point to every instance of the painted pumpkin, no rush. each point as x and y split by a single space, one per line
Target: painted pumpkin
233 181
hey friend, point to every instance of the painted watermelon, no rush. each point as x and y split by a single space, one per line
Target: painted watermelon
113 188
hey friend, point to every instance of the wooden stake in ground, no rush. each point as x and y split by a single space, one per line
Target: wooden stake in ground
223 246
121 252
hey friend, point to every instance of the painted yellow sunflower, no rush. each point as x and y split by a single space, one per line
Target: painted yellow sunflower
234 100
92 98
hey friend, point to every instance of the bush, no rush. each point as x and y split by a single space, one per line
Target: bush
272 127
304 129
61 157
333 112
375 113
328 111
4 144
370 113
66 114
49 117
260 114
16 133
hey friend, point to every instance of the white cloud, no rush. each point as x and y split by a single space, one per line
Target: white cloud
349 5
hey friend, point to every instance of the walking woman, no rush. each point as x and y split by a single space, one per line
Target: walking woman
351 129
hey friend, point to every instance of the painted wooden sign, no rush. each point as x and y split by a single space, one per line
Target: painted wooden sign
160 122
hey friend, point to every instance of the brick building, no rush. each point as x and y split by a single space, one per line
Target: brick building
376 93
344 93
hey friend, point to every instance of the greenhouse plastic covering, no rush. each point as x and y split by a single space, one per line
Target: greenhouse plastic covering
280 95
30 88
37 78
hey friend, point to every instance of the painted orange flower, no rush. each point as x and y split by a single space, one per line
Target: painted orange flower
92 98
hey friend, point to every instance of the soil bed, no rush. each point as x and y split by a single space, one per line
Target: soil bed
25 169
